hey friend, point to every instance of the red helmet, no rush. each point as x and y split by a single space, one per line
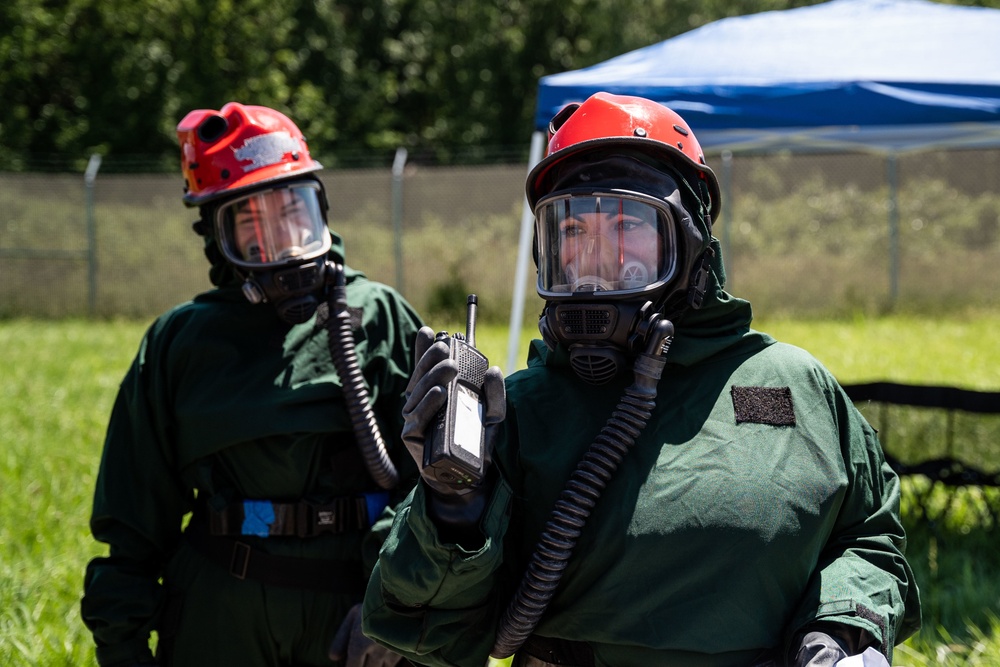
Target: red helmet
620 121
239 147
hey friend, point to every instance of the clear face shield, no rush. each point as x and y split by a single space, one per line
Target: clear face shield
614 244
274 227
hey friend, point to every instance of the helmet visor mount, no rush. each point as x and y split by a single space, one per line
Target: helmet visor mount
273 227
608 243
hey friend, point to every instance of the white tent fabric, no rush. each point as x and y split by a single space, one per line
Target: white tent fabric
884 76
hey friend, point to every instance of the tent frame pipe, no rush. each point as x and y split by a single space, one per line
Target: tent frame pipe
521 271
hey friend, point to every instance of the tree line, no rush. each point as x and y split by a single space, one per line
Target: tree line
449 80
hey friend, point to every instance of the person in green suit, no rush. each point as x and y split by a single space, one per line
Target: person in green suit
253 456
667 486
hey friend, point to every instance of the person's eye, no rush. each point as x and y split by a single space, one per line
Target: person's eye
571 230
631 224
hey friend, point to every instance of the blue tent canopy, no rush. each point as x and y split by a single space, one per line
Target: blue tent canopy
884 75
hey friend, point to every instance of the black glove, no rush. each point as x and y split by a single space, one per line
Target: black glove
825 645
456 509
353 649
818 649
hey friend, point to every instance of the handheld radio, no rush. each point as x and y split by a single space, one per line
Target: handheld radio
454 452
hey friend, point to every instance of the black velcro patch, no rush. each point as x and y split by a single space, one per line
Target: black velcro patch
355 315
764 405
877 619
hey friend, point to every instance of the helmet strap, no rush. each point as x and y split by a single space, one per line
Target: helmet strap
698 285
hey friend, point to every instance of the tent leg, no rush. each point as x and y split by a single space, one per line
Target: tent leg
892 177
398 166
727 199
521 271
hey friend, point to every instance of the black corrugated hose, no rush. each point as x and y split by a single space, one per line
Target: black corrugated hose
580 495
345 360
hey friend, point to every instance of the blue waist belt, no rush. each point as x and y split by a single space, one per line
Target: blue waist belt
268 518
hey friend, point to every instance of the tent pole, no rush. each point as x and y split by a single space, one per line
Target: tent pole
521 271
892 177
89 176
398 167
727 198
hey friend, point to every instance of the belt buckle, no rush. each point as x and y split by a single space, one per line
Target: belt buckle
240 560
331 517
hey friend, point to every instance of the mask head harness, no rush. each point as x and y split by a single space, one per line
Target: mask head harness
622 228
249 170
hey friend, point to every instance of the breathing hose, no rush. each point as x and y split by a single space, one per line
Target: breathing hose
579 497
345 361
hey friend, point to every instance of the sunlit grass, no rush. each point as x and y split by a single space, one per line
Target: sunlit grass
958 349
57 382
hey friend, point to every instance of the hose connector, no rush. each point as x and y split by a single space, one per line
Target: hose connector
649 365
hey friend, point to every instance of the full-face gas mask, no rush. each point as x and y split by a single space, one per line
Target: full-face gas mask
616 243
277 240
249 169
609 258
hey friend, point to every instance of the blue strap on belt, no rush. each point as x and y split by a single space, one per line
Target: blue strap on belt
258 515
377 501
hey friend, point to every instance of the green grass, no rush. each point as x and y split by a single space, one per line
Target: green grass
58 380
957 349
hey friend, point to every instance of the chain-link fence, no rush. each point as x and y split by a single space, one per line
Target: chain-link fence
865 233
807 235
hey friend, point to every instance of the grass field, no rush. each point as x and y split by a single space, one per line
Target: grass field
58 380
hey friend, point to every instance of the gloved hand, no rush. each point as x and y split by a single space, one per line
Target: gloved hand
826 645
353 649
870 658
454 508
818 649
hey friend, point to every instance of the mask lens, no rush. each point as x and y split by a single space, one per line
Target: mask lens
604 243
274 227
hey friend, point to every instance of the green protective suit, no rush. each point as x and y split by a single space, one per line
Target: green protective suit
226 402
756 501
